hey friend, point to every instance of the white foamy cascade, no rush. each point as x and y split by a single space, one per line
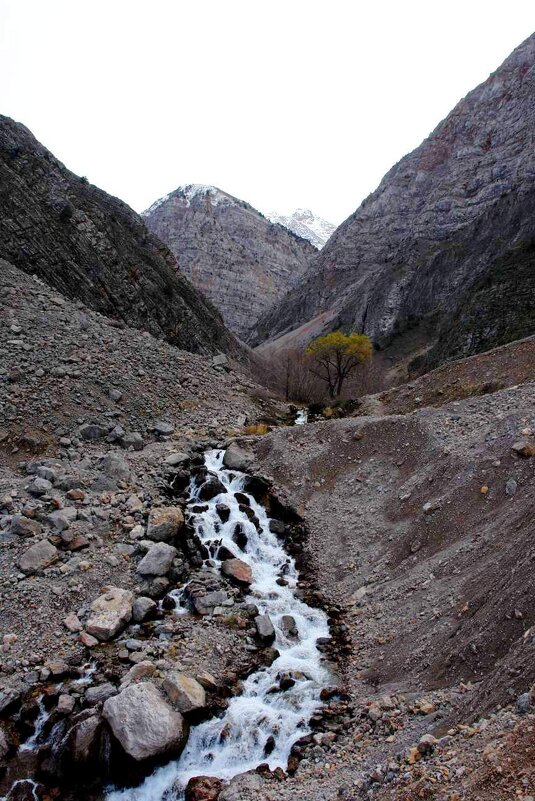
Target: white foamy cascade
235 742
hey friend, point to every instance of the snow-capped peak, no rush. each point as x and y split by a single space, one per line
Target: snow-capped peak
190 191
305 224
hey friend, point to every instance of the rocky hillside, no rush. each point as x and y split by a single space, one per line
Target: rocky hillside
94 248
447 235
307 225
238 259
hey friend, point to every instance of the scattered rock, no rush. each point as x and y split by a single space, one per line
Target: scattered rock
38 557
158 560
24 527
238 571
115 466
144 609
163 428
525 448
184 692
165 523
264 629
203 788
99 694
110 613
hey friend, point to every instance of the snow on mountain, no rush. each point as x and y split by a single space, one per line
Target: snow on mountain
190 191
306 224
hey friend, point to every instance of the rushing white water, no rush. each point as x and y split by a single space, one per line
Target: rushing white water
40 721
301 417
236 742
33 786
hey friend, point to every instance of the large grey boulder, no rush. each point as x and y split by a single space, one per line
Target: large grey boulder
41 555
237 458
158 560
143 609
115 466
110 613
144 723
264 629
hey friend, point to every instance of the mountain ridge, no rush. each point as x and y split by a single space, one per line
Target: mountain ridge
93 247
404 257
240 260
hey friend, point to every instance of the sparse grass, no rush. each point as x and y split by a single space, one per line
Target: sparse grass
258 429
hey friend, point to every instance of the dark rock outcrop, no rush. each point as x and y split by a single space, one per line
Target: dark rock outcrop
92 247
448 235
238 258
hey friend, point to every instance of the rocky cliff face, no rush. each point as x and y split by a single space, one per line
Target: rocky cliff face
239 259
94 248
449 223
307 225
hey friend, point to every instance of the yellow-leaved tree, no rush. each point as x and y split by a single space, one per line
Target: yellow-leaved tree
336 354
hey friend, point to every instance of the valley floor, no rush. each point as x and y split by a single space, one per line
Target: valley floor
419 545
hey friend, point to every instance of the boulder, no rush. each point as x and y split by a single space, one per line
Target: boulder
163 428
237 571
99 694
237 458
139 672
525 448
264 629
4 745
39 486
177 459
289 626
158 560
92 432
184 692
115 466
223 511
41 555
72 623
244 785
110 613
211 488
203 788
144 723
165 523
62 518
144 609
24 527
84 739
132 439
65 704
205 604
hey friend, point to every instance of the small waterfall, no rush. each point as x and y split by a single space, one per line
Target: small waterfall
262 723
32 784
40 722
301 417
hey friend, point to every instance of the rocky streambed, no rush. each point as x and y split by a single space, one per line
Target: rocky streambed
220 554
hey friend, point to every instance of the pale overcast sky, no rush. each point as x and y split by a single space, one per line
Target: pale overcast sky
284 103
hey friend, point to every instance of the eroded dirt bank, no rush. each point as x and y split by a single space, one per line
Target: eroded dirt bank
420 526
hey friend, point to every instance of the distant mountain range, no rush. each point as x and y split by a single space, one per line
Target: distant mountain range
306 224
